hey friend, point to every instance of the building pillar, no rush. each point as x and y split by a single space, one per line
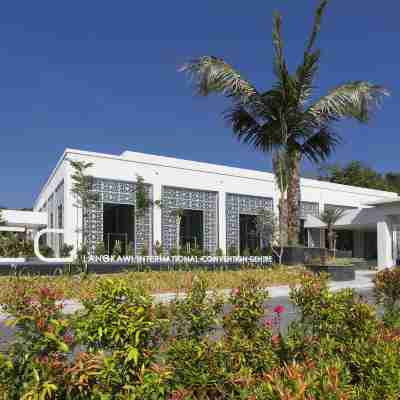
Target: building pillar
222 222
156 214
385 258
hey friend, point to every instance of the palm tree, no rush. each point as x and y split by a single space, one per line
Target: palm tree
286 118
330 216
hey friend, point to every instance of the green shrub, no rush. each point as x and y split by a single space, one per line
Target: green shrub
158 248
338 349
66 250
100 249
174 252
387 293
219 252
196 315
117 250
232 251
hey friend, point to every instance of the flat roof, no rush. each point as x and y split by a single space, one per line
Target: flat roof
152 159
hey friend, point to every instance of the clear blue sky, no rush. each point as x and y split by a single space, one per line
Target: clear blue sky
102 76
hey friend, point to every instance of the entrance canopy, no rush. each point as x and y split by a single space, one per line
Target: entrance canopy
17 221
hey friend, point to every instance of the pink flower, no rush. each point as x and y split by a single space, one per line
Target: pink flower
275 340
68 338
279 309
268 324
236 292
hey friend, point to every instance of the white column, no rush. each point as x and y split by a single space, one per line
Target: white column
385 259
222 221
156 213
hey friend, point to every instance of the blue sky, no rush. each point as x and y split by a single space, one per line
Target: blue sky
102 76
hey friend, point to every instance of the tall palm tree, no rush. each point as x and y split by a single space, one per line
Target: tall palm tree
286 118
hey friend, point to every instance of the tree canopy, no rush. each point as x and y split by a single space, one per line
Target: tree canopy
357 173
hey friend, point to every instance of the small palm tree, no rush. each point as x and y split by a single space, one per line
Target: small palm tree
330 216
286 118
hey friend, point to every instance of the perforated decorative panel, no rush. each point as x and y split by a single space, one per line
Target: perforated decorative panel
188 199
118 192
237 204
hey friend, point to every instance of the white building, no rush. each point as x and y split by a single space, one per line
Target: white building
219 204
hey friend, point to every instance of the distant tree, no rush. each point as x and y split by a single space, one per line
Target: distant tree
393 181
355 173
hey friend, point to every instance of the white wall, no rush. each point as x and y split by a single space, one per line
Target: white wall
159 171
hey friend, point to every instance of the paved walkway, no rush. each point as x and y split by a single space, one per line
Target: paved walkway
279 295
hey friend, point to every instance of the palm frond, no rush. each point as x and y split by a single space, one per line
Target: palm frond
319 145
261 136
279 63
317 26
351 100
332 215
305 76
212 74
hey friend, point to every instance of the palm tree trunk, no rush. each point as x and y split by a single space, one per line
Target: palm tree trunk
293 199
283 221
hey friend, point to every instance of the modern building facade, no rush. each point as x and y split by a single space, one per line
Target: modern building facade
217 207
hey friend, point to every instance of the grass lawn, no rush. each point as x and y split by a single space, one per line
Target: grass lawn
80 286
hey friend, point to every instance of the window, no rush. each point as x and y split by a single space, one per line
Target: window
60 216
51 220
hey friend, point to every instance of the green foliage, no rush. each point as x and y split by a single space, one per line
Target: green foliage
173 252
142 198
145 250
232 251
356 173
158 248
40 351
126 325
219 252
65 250
124 346
117 250
387 293
11 245
82 184
130 249
196 315
246 252
100 249
287 118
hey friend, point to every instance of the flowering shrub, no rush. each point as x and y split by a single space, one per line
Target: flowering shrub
198 313
387 293
123 346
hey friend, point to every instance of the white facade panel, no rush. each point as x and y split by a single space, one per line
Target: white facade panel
162 172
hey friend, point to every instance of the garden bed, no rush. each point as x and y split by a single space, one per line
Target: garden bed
80 286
